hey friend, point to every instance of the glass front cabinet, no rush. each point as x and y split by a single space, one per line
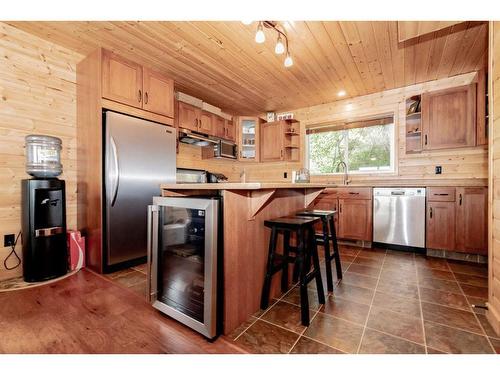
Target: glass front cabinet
248 138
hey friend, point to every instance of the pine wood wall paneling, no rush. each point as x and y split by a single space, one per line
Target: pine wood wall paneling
493 312
37 96
458 164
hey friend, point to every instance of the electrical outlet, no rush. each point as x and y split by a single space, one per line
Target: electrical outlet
8 240
285 174
438 169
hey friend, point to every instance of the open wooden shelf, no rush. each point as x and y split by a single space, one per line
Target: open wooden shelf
413 127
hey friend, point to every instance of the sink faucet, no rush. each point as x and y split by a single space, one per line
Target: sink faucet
345 178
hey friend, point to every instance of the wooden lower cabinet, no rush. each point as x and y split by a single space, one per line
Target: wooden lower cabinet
457 221
355 219
326 203
441 225
472 220
354 212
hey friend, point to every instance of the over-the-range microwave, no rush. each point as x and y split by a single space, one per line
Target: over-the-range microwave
225 149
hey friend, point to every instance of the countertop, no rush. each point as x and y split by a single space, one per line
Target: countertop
312 185
244 186
394 182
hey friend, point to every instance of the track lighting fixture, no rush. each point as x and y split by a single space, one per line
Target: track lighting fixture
280 47
260 37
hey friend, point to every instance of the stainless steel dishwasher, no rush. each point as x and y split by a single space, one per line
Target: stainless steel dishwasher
399 216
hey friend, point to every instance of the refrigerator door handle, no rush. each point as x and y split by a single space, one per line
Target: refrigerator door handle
116 174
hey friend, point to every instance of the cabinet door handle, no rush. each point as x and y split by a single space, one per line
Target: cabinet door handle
441 194
196 123
425 137
460 199
139 97
430 212
340 208
146 98
281 153
353 193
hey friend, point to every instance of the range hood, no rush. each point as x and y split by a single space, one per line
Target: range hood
196 139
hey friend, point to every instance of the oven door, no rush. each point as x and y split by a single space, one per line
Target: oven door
226 150
182 260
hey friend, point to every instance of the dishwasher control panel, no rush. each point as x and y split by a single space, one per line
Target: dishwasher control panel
416 192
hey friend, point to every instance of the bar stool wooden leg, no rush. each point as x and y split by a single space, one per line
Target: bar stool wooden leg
317 270
286 256
336 253
264 300
304 297
328 257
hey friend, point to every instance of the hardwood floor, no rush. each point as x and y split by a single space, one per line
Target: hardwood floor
86 313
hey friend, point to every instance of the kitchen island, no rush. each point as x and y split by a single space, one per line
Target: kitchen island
245 207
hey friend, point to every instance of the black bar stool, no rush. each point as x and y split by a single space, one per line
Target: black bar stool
327 217
306 248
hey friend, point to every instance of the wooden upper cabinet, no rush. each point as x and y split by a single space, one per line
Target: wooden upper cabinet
230 130
441 225
219 125
205 123
472 220
449 118
355 219
158 93
187 116
129 83
271 142
121 80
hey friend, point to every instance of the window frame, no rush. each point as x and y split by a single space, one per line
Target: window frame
341 124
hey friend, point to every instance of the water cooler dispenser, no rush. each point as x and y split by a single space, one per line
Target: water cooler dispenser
45 251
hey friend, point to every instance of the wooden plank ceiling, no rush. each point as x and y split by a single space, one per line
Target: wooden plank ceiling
220 62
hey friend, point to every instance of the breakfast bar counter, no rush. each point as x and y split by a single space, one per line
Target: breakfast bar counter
245 207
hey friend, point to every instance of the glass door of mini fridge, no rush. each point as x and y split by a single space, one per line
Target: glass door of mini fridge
182 260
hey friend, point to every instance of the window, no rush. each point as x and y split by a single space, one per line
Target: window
365 146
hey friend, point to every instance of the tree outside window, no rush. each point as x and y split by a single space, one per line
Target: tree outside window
364 149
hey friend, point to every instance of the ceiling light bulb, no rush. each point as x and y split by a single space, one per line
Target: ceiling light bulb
280 47
260 37
246 22
288 60
341 93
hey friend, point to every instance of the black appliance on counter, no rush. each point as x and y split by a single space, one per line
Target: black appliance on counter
45 250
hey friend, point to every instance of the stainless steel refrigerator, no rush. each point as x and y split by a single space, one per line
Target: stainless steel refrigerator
139 156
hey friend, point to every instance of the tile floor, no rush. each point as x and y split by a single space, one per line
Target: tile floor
133 278
387 302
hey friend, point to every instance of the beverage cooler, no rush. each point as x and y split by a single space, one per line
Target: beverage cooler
185 261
